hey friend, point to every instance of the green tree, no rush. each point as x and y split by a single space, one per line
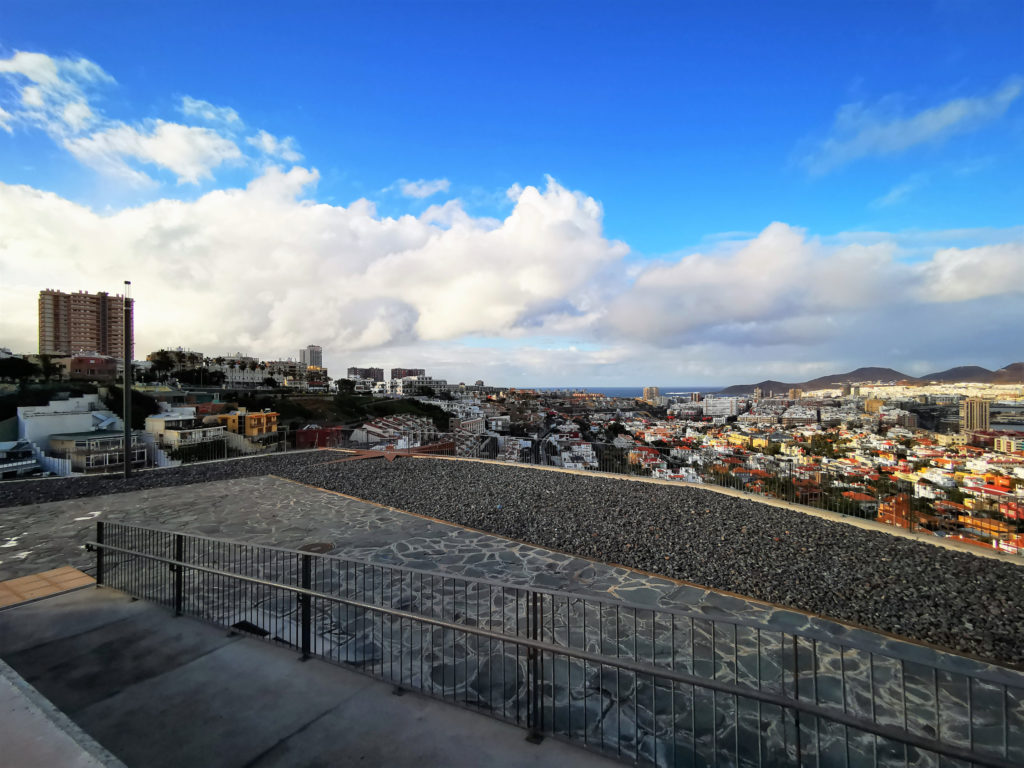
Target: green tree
614 429
142 406
48 368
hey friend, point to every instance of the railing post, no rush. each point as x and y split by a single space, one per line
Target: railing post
534 716
179 572
305 605
99 553
796 696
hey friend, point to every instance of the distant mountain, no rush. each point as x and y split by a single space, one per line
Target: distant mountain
747 389
861 374
971 373
1010 374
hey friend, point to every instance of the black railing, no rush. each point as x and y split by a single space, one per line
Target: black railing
652 686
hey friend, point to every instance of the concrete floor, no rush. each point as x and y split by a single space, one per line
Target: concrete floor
162 691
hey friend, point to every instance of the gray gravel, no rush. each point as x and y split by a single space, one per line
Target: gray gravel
955 600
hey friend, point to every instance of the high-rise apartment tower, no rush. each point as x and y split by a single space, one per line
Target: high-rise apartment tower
312 355
93 322
974 414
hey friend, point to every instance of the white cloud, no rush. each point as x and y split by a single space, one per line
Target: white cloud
784 287
208 112
899 193
77 115
422 188
964 274
52 92
189 152
541 297
273 268
271 146
862 130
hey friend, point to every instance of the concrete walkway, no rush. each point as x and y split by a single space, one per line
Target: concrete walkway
162 691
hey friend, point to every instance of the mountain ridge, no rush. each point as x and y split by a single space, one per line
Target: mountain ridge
969 374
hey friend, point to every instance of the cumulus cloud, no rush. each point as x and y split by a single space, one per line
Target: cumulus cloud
783 287
546 296
422 188
273 147
964 274
208 112
865 130
189 152
271 266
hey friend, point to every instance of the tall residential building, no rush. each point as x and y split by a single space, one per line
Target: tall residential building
374 374
312 355
93 322
974 414
401 373
651 394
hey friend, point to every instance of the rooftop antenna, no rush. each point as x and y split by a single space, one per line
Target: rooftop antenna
126 383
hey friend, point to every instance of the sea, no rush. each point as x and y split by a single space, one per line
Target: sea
681 389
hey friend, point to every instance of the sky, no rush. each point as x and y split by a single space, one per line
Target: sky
546 194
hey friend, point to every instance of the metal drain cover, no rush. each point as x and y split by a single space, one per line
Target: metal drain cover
317 547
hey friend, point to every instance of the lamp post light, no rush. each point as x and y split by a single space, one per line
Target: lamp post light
127 380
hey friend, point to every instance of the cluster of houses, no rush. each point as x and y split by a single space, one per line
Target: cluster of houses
81 435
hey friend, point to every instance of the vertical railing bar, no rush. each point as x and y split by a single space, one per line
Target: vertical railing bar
586 728
1004 703
871 682
903 690
970 710
100 551
672 688
618 687
179 574
796 696
305 605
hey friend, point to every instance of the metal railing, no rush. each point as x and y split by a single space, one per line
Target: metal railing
649 685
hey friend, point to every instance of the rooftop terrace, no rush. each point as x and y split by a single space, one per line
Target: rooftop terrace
679 549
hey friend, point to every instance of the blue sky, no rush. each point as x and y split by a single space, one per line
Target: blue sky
897 127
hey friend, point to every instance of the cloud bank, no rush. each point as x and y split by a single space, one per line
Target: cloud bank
539 294
542 296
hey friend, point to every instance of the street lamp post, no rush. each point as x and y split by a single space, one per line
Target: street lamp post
127 380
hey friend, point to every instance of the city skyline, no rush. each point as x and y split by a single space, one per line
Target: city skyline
568 196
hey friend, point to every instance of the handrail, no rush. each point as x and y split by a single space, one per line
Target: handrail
766 697
810 633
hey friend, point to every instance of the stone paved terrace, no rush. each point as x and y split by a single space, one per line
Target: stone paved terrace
266 509
864 577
